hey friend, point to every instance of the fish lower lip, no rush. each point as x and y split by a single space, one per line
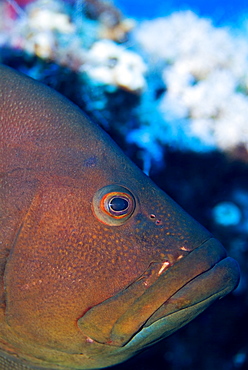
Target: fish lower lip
116 320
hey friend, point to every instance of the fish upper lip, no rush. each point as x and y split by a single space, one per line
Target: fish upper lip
116 320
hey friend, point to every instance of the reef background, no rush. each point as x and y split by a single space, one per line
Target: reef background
211 184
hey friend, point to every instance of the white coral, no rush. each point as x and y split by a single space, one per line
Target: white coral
113 64
48 19
205 76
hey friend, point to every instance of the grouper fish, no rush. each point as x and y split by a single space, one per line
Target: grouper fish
96 262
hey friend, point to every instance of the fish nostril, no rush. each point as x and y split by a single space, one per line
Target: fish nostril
158 220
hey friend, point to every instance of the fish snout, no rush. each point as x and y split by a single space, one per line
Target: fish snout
147 313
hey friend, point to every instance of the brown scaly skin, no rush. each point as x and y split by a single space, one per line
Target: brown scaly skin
83 286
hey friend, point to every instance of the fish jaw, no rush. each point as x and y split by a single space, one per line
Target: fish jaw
143 314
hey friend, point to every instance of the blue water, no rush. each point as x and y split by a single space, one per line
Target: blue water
221 11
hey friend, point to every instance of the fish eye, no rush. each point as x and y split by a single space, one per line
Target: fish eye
113 205
118 205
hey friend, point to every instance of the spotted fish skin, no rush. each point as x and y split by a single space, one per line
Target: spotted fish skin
96 262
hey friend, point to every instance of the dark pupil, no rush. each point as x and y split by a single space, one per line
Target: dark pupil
118 204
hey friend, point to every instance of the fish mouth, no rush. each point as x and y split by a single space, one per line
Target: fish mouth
146 314
214 283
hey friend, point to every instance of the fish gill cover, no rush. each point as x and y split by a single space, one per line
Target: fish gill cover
173 92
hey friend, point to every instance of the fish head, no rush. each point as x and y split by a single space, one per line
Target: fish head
99 280
102 263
